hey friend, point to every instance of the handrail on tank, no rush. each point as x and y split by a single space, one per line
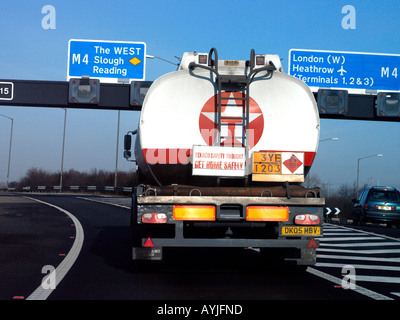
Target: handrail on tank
214 65
252 60
210 61
253 72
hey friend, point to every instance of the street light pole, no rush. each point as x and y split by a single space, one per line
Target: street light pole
153 57
63 147
333 139
358 167
116 155
9 152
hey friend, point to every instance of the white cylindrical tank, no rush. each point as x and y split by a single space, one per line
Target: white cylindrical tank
180 111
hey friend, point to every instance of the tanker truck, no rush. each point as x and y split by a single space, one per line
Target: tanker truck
222 147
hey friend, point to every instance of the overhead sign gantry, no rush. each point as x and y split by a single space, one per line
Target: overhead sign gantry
346 85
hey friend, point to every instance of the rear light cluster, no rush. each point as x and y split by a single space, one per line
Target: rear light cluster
183 213
263 213
208 213
195 213
154 218
307 219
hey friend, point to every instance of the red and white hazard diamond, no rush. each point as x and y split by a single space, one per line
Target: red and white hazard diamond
231 126
293 163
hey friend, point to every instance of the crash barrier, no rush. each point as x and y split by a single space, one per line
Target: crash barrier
70 189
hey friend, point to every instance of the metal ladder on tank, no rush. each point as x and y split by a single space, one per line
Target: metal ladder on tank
235 84
237 88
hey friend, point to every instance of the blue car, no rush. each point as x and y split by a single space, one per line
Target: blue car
377 204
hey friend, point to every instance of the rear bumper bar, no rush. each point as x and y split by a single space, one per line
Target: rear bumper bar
218 200
232 243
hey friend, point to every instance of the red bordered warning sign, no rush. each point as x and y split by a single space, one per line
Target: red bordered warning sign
292 163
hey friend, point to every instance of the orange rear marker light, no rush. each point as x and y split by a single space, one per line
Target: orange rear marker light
194 213
267 213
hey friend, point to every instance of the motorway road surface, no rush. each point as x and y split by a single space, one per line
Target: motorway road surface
86 239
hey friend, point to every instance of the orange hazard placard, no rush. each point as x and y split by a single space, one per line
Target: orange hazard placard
278 166
267 162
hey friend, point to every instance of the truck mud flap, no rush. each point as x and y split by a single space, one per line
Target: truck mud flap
143 253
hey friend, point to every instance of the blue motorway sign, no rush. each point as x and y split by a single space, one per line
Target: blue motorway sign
106 60
347 70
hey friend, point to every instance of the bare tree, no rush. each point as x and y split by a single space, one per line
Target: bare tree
311 181
40 177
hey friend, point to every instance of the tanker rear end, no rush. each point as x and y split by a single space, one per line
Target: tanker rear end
222 147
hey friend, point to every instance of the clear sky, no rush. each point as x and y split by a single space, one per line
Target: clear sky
170 28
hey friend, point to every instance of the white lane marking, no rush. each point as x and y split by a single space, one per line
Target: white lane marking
347 233
358 289
359 251
351 238
366 244
378 279
342 228
377 243
324 256
42 294
358 266
110 203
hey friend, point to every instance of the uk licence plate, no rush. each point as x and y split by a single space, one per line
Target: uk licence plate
300 231
384 208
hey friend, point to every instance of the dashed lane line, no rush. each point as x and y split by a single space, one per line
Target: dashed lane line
42 293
